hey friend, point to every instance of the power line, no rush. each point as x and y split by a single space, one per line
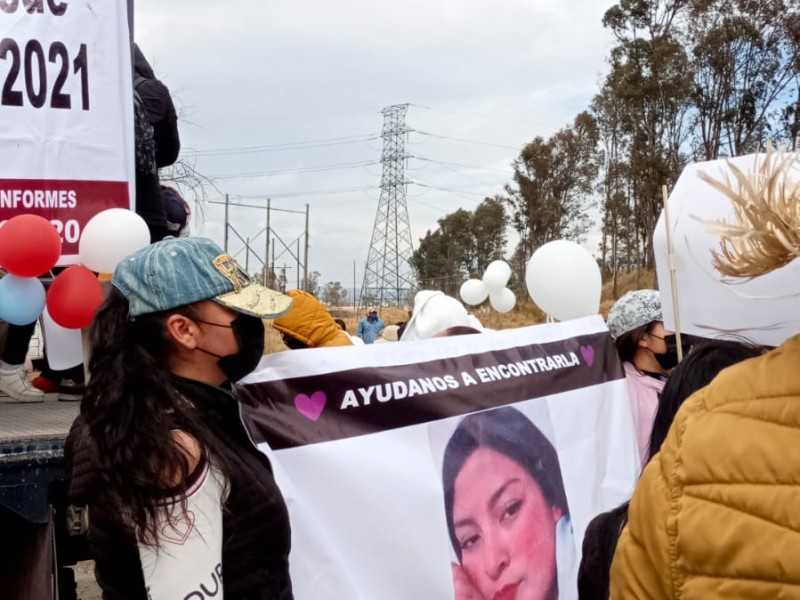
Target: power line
455 139
444 189
320 143
300 194
465 166
299 170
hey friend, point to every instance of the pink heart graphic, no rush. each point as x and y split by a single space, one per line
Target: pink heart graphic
178 532
310 407
587 352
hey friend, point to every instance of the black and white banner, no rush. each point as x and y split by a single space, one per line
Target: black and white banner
465 467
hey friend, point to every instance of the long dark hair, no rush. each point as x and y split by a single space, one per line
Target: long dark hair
131 410
628 343
697 370
508 431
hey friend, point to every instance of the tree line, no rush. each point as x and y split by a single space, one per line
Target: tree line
688 80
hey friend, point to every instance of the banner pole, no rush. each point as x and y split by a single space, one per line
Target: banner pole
672 275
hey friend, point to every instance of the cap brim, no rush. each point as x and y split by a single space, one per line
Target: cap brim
257 301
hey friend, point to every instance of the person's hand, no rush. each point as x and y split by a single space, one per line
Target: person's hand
465 589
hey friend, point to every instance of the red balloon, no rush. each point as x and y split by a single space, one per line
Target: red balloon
74 297
29 246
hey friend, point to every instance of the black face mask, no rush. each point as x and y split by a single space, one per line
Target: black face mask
249 334
669 359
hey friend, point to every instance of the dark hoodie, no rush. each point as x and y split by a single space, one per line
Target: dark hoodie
159 108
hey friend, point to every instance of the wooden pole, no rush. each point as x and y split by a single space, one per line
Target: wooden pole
673 280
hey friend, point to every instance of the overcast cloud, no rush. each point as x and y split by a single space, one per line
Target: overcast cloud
279 71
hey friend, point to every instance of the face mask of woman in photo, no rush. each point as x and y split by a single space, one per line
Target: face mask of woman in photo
505 507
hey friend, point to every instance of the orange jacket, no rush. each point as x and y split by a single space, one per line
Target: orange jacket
310 322
715 514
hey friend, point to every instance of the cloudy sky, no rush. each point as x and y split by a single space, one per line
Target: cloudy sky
267 89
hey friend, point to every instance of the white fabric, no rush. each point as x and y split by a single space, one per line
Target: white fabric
188 563
566 558
367 512
433 313
763 310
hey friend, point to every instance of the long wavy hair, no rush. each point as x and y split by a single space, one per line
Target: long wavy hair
131 409
509 432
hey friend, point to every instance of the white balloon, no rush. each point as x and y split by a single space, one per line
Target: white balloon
497 275
473 292
64 346
503 301
109 237
564 280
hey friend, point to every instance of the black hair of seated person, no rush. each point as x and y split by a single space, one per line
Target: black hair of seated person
697 370
292 343
457 330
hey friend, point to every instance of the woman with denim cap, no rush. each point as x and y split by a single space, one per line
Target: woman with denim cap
179 498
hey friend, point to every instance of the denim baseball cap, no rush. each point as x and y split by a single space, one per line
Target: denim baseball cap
180 271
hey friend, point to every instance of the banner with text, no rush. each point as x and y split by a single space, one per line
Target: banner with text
461 467
66 106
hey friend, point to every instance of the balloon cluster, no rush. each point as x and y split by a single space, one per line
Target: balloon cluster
493 285
30 246
562 278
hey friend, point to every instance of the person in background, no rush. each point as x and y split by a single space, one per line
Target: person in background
14 380
389 334
157 143
341 324
308 324
177 212
370 327
402 326
177 492
647 354
699 368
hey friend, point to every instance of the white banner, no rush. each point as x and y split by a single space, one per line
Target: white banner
67 111
461 467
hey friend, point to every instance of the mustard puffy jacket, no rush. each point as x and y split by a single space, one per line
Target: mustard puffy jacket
310 322
716 513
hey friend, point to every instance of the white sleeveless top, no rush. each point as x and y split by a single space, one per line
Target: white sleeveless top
188 562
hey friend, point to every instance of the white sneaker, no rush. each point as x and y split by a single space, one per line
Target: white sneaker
16 384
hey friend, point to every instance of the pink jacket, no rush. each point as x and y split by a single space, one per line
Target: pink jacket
643 391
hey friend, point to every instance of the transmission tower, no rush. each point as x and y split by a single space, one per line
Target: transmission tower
387 277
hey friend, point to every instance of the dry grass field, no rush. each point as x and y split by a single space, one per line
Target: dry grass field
525 313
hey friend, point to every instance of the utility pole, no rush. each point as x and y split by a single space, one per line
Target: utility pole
247 255
298 263
305 255
227 204
388 275
266 248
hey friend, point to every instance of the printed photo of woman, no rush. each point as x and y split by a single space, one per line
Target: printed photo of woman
506 509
